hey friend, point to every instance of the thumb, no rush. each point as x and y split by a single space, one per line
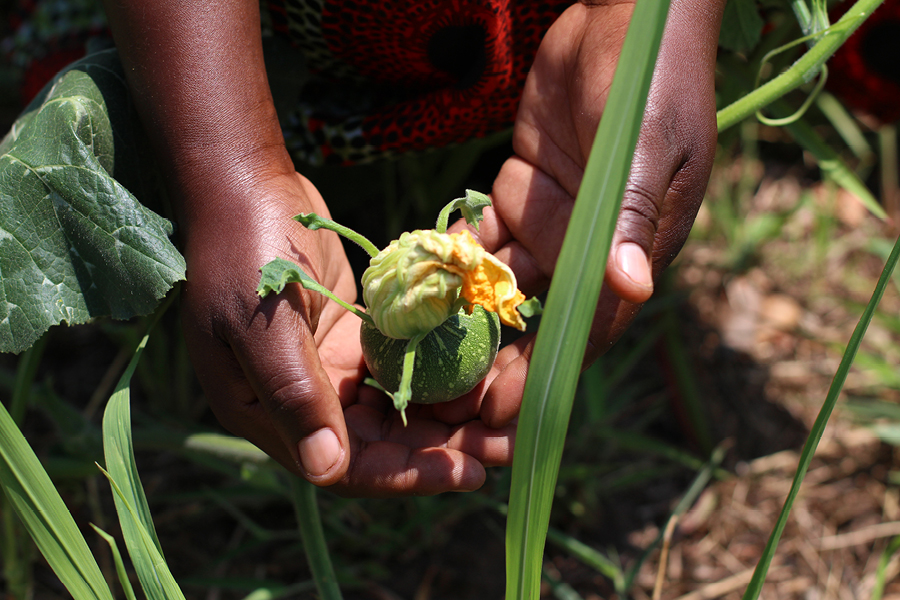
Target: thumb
275 393
661 200
283 367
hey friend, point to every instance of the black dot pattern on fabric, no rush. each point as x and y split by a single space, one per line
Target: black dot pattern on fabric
393 77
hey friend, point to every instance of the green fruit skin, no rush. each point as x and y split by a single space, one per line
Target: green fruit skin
450 361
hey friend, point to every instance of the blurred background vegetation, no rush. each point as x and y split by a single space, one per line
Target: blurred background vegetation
735 351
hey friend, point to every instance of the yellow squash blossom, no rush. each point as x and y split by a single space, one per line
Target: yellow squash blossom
415 284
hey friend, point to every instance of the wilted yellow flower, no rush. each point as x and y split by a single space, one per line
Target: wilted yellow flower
415 284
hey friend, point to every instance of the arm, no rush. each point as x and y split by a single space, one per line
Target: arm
284 372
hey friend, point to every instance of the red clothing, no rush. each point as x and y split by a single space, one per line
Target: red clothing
385 77
393 77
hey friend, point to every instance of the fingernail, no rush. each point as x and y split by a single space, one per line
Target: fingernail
319 452
633 262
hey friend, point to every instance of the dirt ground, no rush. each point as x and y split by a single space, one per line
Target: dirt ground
785 321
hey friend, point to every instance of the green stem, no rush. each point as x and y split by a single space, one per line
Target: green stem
803 70
471 207
404 392
16 553
829 161
312 221
315 286
278 272
310 524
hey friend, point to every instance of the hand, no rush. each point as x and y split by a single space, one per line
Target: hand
558 117
285 372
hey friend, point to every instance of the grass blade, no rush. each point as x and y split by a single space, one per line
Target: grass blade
314 539
812 441
120 564
18 550
128 493
33 496
572 300
883 561
590 557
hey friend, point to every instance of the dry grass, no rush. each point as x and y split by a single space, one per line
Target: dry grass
789 315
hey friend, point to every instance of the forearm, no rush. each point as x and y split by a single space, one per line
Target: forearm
692 33
199 83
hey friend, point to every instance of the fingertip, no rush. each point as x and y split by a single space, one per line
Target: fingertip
321 457
630 273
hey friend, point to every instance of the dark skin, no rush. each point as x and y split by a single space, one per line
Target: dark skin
285 372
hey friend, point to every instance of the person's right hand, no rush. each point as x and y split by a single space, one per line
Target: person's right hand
285 372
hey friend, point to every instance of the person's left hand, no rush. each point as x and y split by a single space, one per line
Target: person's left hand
535 191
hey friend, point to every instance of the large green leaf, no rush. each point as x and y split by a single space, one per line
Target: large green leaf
741 26
75 243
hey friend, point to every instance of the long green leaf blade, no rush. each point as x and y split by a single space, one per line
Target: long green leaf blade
812 441
572 300
153 573
45 516
131 502
120 564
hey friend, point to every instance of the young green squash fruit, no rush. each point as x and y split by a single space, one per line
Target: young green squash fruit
435 302
450 361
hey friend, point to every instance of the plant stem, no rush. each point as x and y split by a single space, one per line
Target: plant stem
803 70
404 391
310 525
312 221
25 374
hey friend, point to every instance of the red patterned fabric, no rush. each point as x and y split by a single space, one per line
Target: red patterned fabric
865 72
391 77
386 77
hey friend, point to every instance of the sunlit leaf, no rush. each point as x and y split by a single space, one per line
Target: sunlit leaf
75 243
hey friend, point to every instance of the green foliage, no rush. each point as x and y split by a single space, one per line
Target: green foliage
741 26
75 243
542 425
571 303
45 516
278 272
472 206
801 71
131 502
809 448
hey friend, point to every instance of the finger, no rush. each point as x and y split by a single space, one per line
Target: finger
263 379
388 469
280 356
629 270
489 446
502 402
